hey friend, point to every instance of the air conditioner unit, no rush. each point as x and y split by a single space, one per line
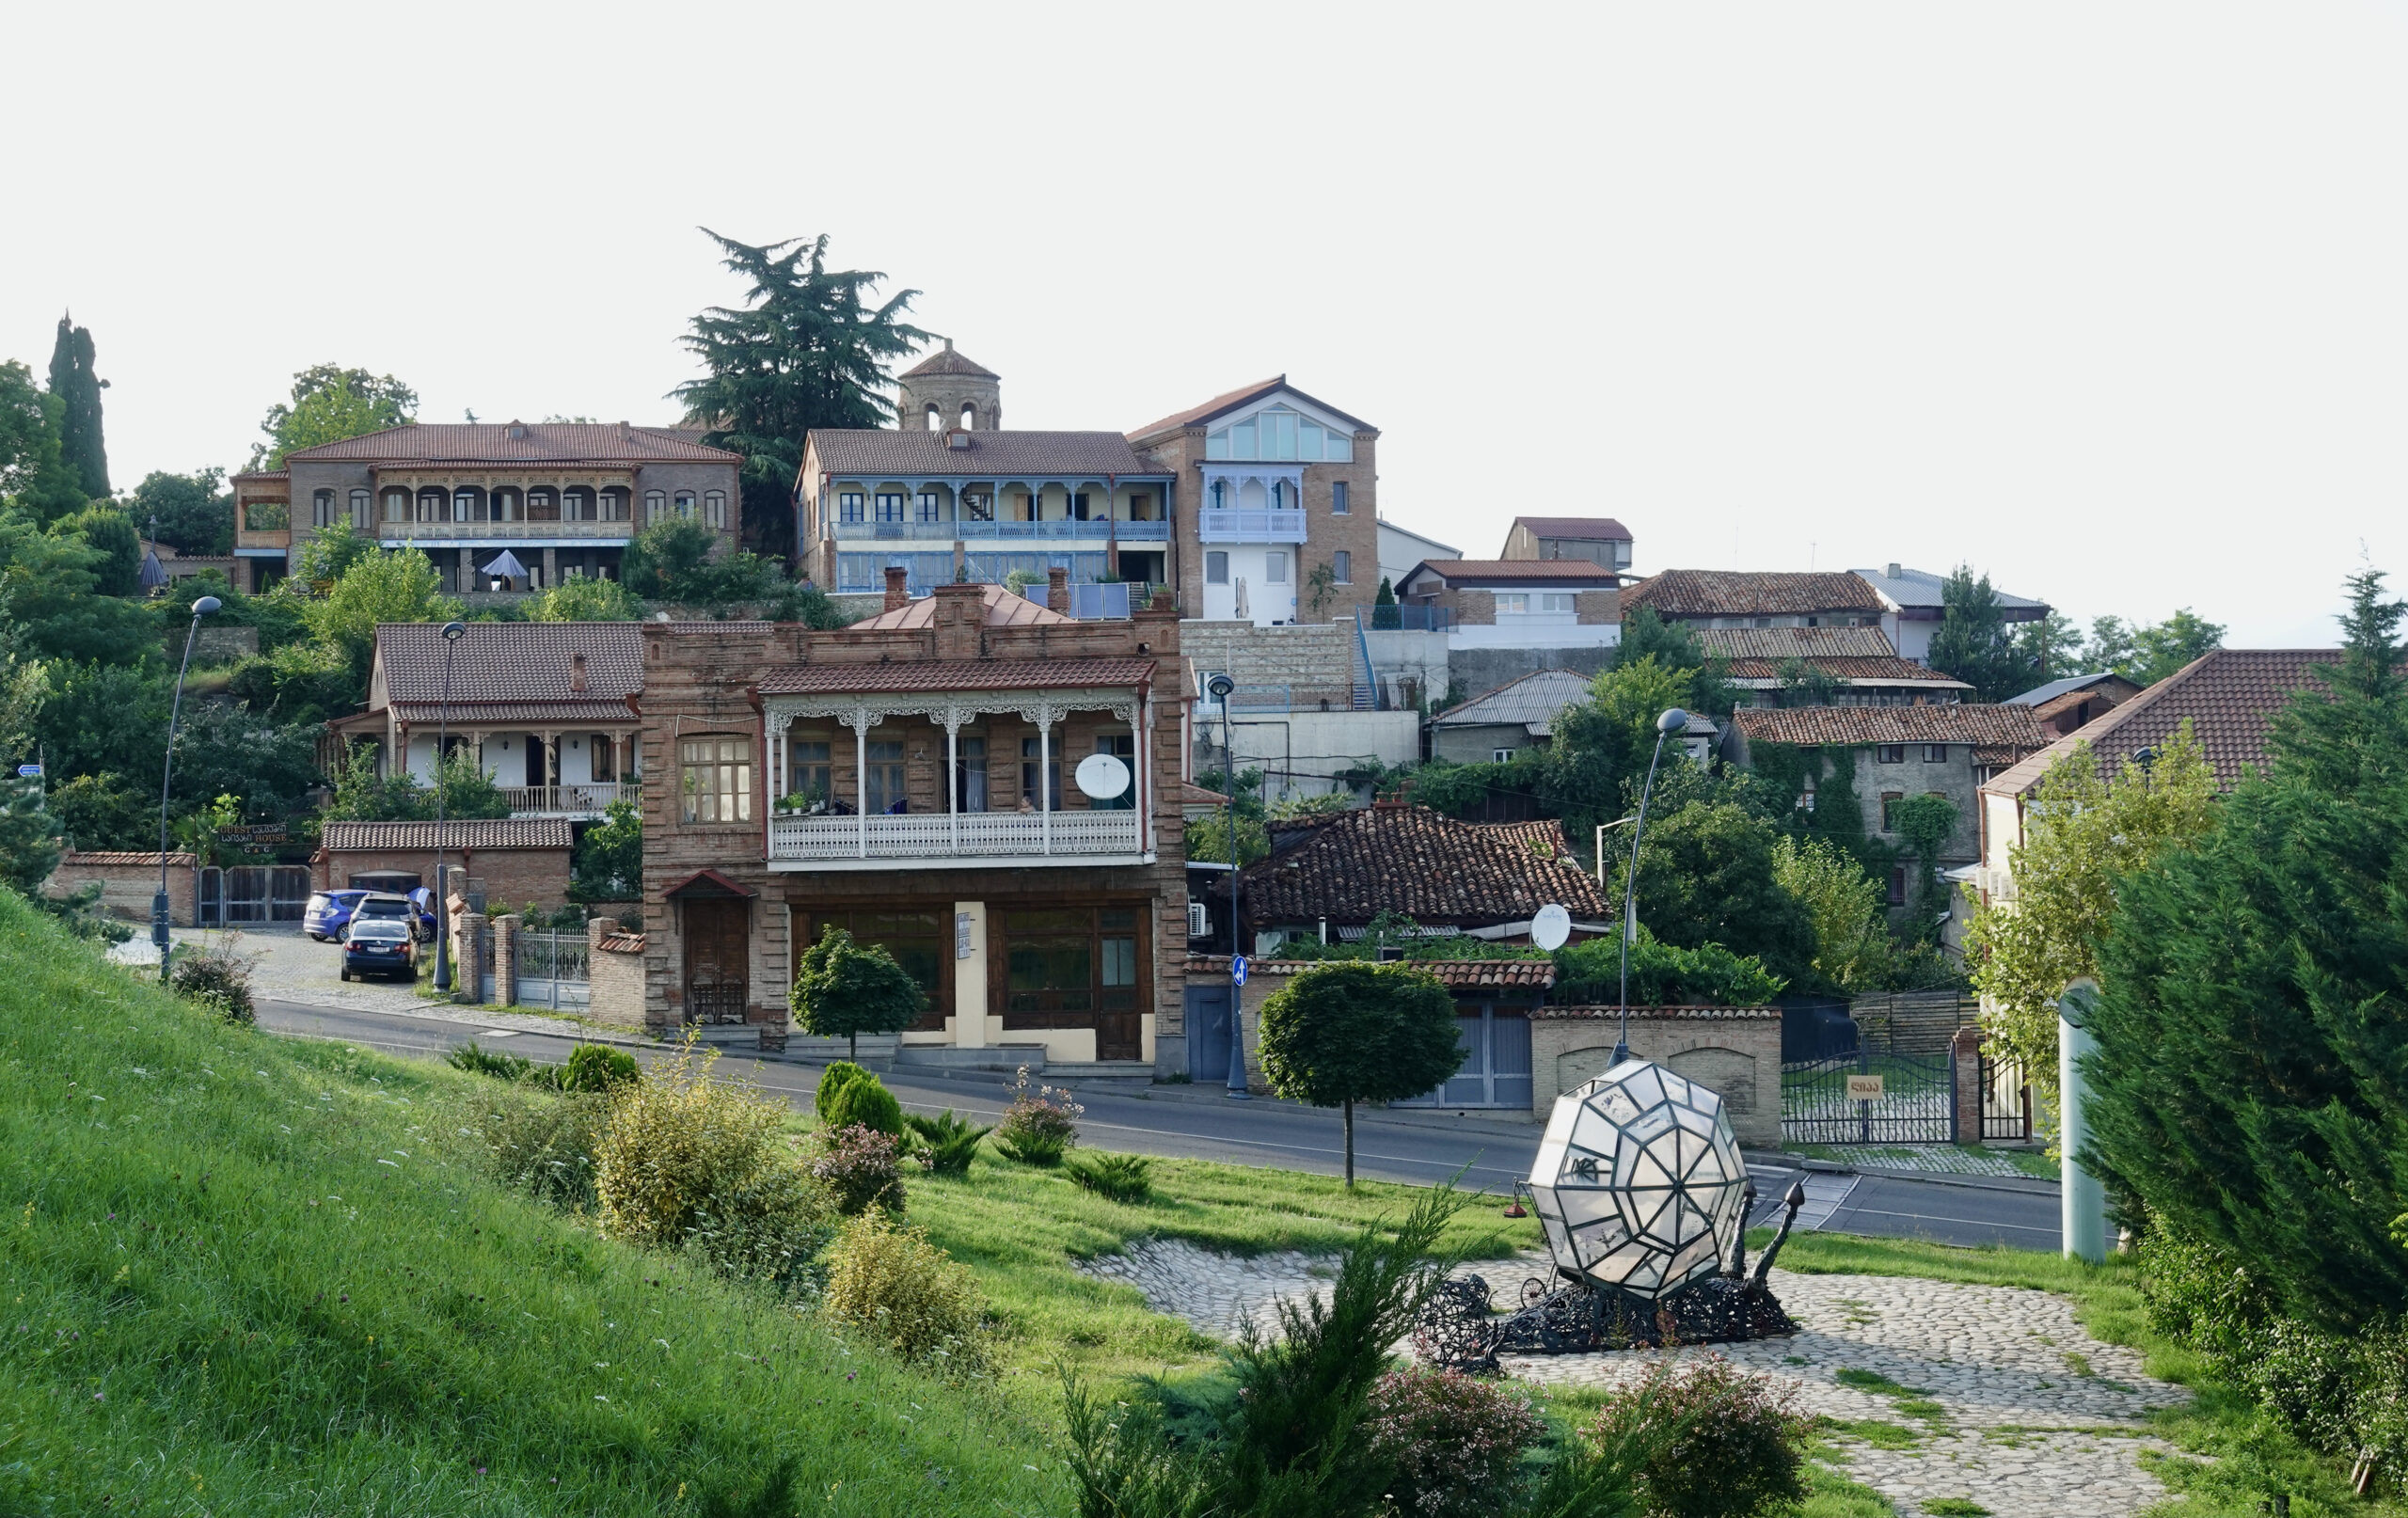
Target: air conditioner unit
1200 922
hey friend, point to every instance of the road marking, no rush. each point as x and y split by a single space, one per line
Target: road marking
503 1033
1961 1222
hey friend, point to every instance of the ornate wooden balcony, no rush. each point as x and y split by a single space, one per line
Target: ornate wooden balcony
959 838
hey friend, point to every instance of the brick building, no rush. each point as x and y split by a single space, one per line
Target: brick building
1601 539
508 861
1519 596
1858 665
913 778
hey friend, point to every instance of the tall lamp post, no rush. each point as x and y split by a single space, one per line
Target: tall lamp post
1222 688
202 608
1672 720
451 631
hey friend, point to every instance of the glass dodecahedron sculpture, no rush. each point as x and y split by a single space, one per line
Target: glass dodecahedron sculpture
1638 1182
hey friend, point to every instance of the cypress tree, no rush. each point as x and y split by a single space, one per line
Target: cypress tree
72 380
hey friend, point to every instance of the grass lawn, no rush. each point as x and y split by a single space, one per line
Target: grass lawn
243 1275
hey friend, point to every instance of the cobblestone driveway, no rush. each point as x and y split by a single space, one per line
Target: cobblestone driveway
1976 1392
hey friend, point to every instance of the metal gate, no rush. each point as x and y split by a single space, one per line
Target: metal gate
1495 1071
1917 1103
552 970
2006 1101
254 894
211 908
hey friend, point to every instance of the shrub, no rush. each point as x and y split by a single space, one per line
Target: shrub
841 1072
599 1067
1709 1440
947 1143
864 1101
544 1148
1453 1440
1122 1177
218 978
680 1146
1039 1124
770 1230
477 1060
907 1294
859 1167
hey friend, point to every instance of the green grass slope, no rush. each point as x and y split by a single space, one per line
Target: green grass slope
243 1275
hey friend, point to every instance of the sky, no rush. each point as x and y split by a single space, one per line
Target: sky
2104 300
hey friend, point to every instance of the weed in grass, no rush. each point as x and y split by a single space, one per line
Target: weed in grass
947 1144
2078 1363
1880 1432
1955 1508
1831 1494
1870 1381
1123 1177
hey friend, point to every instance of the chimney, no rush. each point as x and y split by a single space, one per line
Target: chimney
1057 589
1894 574
897 594
577 671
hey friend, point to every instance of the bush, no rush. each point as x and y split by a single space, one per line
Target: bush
599 1067
947 1144
544 1148
1121 1178
1661 974
218 979
683 1153
838 1074
1711 1441
1039 1124
865 1101
907 1294
860 1168
477 1060
1454 1441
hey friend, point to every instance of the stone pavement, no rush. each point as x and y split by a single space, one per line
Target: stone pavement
1936 1389
1937 1159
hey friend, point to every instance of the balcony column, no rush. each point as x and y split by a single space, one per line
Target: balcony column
552 567
548 795
1045 774
859 720
954 716
467 574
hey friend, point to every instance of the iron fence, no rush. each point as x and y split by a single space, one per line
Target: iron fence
552 969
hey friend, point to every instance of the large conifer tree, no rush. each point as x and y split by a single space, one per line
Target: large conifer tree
72 380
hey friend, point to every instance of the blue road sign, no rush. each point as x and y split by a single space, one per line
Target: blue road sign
29 772
1237 970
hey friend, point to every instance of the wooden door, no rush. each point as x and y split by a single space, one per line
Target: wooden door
719 979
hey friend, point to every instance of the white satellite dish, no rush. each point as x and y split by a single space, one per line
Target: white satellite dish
1102 776
1550 927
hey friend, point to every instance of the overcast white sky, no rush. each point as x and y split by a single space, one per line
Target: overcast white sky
2106 300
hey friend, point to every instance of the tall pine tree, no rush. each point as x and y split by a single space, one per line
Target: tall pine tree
1972 643
811 348
73 380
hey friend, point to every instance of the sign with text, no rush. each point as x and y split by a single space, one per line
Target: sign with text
961 935
1864 1088
255 833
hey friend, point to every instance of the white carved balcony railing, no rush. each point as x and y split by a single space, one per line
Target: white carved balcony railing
1069 837
1237 524
593 797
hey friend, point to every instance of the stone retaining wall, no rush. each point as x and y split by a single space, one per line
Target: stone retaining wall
1732 1052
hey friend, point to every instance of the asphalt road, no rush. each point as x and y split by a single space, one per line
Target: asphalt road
1490 1158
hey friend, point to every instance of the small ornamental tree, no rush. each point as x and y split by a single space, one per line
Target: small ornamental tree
843 989
1347 1033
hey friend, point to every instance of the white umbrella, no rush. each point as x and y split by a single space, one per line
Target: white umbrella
505 566
1241 606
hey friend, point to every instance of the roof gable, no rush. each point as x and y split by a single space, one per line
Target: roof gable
1561 574
2229 696
1921 588
531 442
1532 700
1263 392
1711 593
946 361
880 452
1000 607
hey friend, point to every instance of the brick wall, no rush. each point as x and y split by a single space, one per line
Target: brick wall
1733 1052
128 882
1358 532
510 877
1314 660
614 975
1596 607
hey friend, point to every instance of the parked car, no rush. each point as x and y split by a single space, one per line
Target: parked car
379 946
328 914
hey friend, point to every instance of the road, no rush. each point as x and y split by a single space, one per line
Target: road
1268 1133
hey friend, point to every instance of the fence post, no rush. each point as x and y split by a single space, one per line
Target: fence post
1967 1086
505 960
1864 1109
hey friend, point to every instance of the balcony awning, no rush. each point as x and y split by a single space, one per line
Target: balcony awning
706 884
537 713
967 675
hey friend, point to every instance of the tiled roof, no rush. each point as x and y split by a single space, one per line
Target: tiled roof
1997 757
622 943
1795 642
964 674
1513 571
1457 975
1191 794
1921 588
1642 1014
1880 672
2070 700
2039 695
1855 726
887 453
538 442
1581 529
478 713
946 361
1713 592
1409 859
1530 702
2231 697
1003 610
1245 395
121 855
492 832
513 661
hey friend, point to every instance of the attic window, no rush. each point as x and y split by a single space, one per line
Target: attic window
958 438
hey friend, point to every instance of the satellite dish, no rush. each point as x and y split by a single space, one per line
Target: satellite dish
1550 927
1102 776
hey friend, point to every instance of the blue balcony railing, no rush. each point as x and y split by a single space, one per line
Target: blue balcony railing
1092 531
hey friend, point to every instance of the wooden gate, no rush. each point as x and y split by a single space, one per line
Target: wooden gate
719 979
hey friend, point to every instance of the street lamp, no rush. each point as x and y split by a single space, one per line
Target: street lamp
1672 720
1222 688
159 936
451 631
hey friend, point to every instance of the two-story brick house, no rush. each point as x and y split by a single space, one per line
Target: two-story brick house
563 498
914 778
1278 515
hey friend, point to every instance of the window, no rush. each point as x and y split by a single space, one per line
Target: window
1890 753
1935 753
685 503
848 506
1079 505
1123 747
929 511
1555 602
1763 621
1337 502
978 506
1216 566
1342 567
397 505
890 506
935 418
1280 433
716 779
544 505
1898 886
322 509
715 507
1141 506
970 775
1275 569
508 506
602 759
1065 966
430 504
655 506
467 504
1512 602
1806 795
360 517
807 768
882 782
1499 756
614 504
1029 761
1889 801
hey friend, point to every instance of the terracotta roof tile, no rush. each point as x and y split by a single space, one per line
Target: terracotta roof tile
429 713
622 943
1580 529
1508 571
946 361
1886 671
851 452
1003 610
513 661
2231 697
539 442
1795 642
1458 974
1409 859
966 675
493 832
1640 1014
1855 726
121 855
1711 593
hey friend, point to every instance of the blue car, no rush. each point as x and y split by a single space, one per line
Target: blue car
328 914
